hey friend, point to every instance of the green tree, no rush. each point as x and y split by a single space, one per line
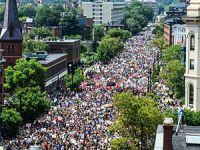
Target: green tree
135 112
108 48
69 22
10 121
30 45
26 73
158 30
78 77
40 32
47 16
30 102
78 37
27 11
118 33
98 34
171 53
173 74
136 16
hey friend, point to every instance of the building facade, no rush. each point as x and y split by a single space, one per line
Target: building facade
11 34
178 34
70 47
104 12
192 74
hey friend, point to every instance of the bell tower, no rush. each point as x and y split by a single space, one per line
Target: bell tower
11 35
192 74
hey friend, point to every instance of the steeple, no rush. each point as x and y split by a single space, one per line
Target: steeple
193 10
11 26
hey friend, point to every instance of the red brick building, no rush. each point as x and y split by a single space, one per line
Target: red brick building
70 47
167 33
10 41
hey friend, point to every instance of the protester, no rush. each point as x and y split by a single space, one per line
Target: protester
81 120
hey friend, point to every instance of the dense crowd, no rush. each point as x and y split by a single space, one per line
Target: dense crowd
80 120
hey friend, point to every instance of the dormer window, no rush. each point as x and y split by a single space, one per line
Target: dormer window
192 42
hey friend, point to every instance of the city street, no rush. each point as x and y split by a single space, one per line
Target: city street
81 120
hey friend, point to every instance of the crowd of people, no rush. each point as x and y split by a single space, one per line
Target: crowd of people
81 120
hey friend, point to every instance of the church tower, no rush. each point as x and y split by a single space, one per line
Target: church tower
192 74
11 35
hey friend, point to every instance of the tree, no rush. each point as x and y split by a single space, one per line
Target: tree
171 53
27 11
137 115
40 32
158 30
136 16
118 33
26 73
30 102
98 33
10 121
173 74
69 22
30 45
78 77
47 16
108 48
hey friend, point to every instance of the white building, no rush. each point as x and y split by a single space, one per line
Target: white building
192 74
151 3
178 34
104 12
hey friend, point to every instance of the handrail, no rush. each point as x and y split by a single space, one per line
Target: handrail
179 120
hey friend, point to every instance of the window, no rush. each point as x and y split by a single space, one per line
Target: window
192 42
191 64
191 94
11 49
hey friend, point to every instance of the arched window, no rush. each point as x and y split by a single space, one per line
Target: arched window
191 94
192 42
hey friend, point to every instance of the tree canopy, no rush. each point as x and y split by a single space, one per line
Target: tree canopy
33 102
26 73
136 16
135 113
48 16
173 74
171 53
40 32
69 22
108 48
30 45
27 11
118 33
10 120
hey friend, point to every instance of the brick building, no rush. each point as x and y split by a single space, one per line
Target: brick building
56 65
70 47
11 34
10 41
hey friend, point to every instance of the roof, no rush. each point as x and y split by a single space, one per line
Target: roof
47 59
63 41
51 57
11 26
172 21
178 141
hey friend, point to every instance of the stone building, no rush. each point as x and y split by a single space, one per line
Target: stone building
192 74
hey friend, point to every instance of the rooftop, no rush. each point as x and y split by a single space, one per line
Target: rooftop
63 41
48 59
179 141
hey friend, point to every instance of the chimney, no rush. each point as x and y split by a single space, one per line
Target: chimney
168 132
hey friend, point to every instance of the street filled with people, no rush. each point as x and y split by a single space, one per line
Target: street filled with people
80 120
